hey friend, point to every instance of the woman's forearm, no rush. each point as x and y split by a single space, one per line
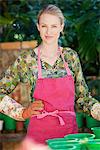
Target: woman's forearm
11 108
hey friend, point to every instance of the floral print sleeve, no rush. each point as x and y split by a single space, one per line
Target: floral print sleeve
84 101
13 75
19 72
10 107
8 83
10 80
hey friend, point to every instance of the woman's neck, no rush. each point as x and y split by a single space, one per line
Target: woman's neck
49 50
49 53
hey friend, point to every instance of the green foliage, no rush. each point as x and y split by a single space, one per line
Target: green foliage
82 31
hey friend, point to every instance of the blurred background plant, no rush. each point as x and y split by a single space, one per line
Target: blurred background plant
82 26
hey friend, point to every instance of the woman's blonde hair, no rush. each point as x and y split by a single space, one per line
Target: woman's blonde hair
53 10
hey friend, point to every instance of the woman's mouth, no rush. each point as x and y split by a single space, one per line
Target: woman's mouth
48 37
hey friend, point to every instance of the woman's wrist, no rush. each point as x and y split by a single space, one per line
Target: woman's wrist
95 111
25 114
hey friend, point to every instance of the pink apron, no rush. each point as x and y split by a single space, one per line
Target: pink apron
58 118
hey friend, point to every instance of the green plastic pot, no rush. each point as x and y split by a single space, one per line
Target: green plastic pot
91 122
96 131
93 145
58 142
26 122
9 123
80 119
81 139
79 136
1 116
61 146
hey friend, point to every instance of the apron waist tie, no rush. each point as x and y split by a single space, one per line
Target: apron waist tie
55 114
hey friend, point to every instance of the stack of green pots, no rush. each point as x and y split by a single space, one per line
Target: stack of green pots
61 144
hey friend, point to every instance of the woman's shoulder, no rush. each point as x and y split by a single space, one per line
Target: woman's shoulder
69 51
27 53
27 56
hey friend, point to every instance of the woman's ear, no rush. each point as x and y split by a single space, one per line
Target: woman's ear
62 27
38 27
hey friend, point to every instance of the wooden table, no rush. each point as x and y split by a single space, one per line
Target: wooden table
10 137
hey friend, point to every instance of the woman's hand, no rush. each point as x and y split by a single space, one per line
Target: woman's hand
95 111
33 109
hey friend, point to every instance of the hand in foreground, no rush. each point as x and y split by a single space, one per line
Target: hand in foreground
28 144
33 109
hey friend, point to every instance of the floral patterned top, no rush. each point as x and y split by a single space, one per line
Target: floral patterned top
25 69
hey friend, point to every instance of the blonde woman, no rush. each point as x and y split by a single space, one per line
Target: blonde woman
56 74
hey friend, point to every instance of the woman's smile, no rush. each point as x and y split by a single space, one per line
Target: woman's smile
48 37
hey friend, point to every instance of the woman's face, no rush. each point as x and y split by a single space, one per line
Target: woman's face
49 27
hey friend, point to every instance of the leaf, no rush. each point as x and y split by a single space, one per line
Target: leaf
5 21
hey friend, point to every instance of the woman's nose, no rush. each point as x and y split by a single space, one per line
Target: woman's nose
48 31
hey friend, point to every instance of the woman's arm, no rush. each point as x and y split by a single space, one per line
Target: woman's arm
84 101
8 83
16 73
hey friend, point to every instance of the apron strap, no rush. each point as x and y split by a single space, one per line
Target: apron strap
39 63
65 63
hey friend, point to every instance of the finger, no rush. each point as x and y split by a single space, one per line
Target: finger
35 112
37 104
37 108
38 101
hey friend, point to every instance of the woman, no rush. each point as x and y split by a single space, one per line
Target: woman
59 84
